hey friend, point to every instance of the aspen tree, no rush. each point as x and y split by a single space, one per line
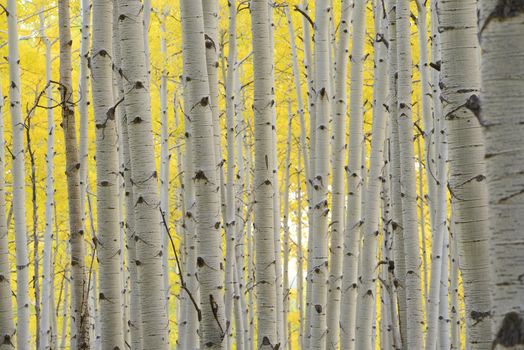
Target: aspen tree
143 177
7 329
80 312
367 290
134 323
47 279
414 330
23 336
264 185
319 260
164 158
353 219
338 152
467 170
500 114
213 327
300 258
453 288
107 178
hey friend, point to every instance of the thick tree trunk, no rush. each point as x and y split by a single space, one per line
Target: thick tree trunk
460 80
501 24
213 327
107 178
143 177
263 104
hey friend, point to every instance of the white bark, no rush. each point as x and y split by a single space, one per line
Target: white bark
300 258
80 312
356 140
338 153
264 185
107 178
23 337
134 323
366 300
415 317
48 271
143 177
319 261
7 329
460 81
502 100
213 327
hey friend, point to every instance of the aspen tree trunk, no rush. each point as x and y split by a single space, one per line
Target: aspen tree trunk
7 329
107 178
423 199
398 267
190 325
460 81
164 160
264 185
310 81
147 22
319 260
353 220
454 285
285 279
209 260
48 271
210 10
143 177
444 319
338 153
23 337
135 323
230 222
500 113
65 308
366 300
415 317
298 90
83 99
300 258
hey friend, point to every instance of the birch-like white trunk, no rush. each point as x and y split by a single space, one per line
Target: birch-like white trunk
7 329
499 110
338 155
366 300
134 324
415 317
264 186
460 82
107 178
147 223
47 278
319 261
23 337
213 326
354 176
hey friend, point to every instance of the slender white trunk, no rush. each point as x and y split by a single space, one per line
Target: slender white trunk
353 219
444 319
134 324
300 257
319 260
47 278
453 289
165 157
338 153
107 178
23 337
366 300
264 185
213 327
460 82
499 109
415 317
7 330
147 221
